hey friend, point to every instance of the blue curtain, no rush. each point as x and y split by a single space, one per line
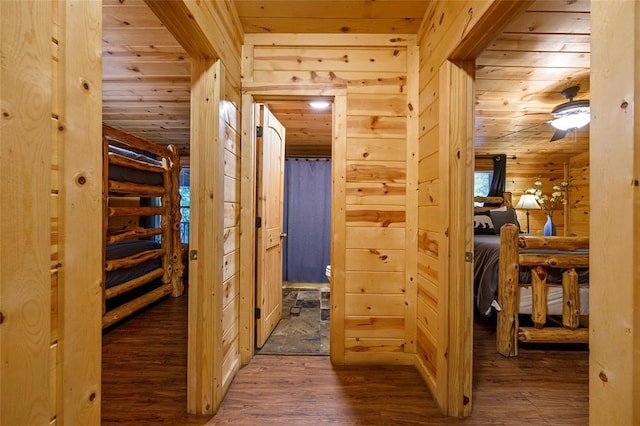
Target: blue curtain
307 220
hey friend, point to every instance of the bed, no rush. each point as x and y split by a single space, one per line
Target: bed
543 277
142 250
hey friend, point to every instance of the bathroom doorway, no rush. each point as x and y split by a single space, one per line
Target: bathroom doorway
306 244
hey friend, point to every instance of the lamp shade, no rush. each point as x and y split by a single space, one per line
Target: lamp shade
528 202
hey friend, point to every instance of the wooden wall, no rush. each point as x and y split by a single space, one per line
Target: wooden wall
51 203
230 131
572 220
373 317
443 319
579 208
521 172
614 288
26 188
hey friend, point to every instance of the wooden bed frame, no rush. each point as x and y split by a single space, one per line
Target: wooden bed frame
509 331
170 250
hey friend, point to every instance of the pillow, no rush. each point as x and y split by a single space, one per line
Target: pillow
500 218
482 223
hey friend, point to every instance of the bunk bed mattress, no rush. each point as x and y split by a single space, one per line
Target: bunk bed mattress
485 277
125 249
126 174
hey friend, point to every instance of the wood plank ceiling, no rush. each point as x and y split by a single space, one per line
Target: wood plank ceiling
520 76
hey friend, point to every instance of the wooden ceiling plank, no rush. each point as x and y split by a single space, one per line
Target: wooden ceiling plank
137 36
524 73
561 6
143 72
550 23
534 59
542 43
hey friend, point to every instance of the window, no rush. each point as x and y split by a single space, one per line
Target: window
481 183
185 202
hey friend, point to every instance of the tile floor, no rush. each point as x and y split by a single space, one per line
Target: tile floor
304 327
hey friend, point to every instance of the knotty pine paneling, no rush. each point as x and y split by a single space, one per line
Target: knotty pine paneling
230 134
521 172
372 282
371 326
440 33
374 203
579 211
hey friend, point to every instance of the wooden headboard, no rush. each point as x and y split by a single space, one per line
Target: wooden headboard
504 201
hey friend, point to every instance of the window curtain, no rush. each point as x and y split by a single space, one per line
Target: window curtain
499 180
307 220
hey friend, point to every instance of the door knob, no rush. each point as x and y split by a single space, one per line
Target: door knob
283 235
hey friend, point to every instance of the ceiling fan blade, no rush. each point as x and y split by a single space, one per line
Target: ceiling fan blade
558 134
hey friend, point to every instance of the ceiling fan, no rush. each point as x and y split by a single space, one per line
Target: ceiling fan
571 115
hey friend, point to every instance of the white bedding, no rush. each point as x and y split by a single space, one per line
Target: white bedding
554 300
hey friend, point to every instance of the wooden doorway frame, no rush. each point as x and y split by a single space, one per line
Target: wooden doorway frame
457 85
248 201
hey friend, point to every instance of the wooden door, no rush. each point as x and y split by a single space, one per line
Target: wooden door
270 183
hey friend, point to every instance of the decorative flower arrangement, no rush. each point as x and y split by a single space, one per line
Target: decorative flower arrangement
548 202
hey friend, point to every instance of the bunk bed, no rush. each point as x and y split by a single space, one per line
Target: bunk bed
142 251
518 274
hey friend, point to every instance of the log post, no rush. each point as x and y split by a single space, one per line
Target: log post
539 296
175 215
508 288
105 215
570 299
165 220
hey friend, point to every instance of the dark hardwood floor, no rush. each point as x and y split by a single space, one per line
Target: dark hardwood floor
144 383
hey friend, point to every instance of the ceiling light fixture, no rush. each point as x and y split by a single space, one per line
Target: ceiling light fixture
319 104
573 114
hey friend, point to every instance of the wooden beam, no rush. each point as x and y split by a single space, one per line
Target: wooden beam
411 198
199 28
248 235
614 292
456 106
25 200
206 251
338 233
80 89
488 27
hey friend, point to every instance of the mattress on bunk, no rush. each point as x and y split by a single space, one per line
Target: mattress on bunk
486 260
125 249
126 174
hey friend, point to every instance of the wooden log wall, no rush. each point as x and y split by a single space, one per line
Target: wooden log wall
374 304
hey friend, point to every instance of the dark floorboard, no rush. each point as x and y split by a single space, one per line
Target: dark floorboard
144 383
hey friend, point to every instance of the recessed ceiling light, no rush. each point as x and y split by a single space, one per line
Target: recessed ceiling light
319 104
